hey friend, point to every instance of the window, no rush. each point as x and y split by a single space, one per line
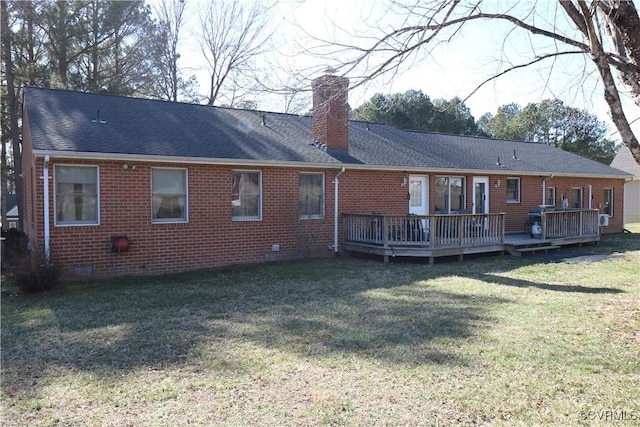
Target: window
246 192
551 196
608 201
169 195
450 194
76 195
576 198
311 195
513 190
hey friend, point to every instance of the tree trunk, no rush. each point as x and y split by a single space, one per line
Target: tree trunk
583 19
13 112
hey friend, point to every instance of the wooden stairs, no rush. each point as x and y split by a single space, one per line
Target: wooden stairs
531 247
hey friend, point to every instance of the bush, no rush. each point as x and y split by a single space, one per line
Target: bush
35 274
14 246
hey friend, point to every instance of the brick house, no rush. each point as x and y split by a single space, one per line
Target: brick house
117 185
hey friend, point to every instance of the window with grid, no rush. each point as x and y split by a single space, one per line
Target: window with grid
513 190
551 196
576 198
311 195
169 195
246 195
76 195
450 194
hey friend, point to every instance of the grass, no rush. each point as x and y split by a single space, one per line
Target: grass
353 342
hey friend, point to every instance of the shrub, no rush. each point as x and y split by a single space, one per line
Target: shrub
14 246
35 274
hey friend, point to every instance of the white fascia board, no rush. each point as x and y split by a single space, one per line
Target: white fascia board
274 163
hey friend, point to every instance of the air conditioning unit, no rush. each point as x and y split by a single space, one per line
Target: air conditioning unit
603 220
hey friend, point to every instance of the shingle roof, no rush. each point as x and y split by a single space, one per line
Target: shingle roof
65 121
625 162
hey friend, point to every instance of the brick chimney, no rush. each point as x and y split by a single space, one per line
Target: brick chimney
330 112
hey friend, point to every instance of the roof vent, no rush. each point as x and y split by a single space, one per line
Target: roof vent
98 119
319 145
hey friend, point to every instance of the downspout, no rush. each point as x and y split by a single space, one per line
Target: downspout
544 189
335 211
45 176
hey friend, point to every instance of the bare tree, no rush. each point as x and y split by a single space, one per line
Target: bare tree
607 32
234 33
170 82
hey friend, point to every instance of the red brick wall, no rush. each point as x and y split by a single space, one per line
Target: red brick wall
210 238
330 111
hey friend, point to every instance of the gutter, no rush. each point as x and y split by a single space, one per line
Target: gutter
73 155
335 210
47 234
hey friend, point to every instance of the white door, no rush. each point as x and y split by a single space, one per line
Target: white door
419 195
480 195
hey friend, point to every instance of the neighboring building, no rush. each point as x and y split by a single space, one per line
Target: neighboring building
117 185
12 212
625 162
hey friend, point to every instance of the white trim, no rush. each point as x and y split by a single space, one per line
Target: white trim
554 196
324 197
484 180
611 210
423 209
336 183
581 197
55 198
274 163
47 220
186 198
250 218
506 188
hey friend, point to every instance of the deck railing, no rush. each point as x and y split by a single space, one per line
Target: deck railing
433 231
570 223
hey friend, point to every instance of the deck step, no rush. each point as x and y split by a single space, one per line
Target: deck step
535 249
520 250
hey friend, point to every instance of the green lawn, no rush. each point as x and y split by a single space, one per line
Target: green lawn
495 340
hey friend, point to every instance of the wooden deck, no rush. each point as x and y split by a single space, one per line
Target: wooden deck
432 236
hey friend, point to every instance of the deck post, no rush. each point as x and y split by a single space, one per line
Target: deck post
385 234
432 233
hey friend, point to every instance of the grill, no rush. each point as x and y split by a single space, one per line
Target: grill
535 216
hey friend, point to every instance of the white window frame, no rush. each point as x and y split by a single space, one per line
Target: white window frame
581 198
518 189
550 191
322 204
186 198
260 195
612 199
463 202
75 223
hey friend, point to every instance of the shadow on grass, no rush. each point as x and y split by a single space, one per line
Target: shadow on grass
344 308
507 281
323 309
